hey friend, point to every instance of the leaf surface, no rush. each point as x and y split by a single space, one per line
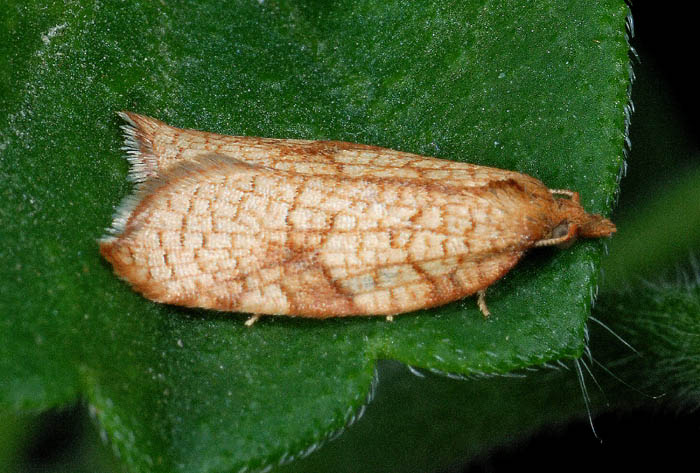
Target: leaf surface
538 88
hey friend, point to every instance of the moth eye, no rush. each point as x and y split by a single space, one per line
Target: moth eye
560 230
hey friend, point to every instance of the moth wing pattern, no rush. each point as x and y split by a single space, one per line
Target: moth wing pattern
321 228
153 146
218 233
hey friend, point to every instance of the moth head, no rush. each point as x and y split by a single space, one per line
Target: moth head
575 222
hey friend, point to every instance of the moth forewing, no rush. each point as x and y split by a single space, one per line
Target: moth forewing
320 229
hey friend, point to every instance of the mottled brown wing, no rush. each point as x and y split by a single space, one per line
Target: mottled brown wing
218 233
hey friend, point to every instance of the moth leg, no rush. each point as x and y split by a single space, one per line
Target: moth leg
389 318
571 233
251 320
571 194
481 302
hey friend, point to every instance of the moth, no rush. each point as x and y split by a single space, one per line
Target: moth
322 228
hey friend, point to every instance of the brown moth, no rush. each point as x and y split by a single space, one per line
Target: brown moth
322 228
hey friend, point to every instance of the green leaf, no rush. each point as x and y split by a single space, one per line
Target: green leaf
539 88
